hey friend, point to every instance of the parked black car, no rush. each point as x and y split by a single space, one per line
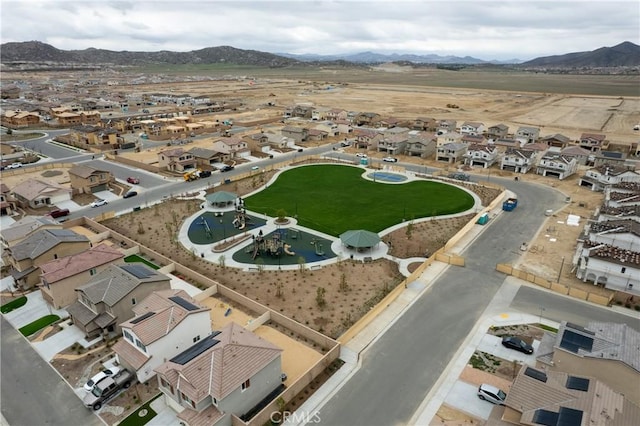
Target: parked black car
517 344
226 169
130 194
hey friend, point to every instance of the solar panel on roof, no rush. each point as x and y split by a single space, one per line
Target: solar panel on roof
536 374
139 271
142 317
577 383
573 341
545 417
569 417
199 348
184 303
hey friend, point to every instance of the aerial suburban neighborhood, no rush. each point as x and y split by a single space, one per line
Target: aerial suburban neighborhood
230 249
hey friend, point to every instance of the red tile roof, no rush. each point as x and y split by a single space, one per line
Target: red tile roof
69 266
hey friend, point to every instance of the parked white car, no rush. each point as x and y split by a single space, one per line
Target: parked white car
390 159
361 155
14 166
108 372
492 394
98 203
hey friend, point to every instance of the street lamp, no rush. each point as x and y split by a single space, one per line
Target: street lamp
560 272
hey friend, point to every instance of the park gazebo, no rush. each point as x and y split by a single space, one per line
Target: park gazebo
221 199
359 239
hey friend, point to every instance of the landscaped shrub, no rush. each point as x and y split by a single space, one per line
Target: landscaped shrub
14 304
38 324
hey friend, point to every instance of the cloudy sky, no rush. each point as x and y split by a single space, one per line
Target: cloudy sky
483 29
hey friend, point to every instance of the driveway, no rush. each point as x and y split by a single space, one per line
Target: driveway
464 397
7 283
6 221
71 205
106 195
49 347
493 345
35 308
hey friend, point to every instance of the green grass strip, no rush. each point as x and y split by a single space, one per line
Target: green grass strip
135 419
38 325
14 304
134 258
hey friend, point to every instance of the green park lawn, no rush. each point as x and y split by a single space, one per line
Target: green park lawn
333 199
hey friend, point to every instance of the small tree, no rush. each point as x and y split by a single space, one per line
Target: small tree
222 261
302 265
279 292
282 214
320 300
409 230
140 228
344 286
260 265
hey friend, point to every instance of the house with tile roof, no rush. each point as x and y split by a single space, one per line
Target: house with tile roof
593 142
298 134
35 193
612 213
176 159
7 202
518 160
206 157
558 398
367 138
87 180
556 141
25 227
498 131
166 323
223 376
605 351
425 124
527 134
451 153
481 155
620 198
445 126
613 267
39 248
472 128
621 233
421 144
557 165
60 277
582 155
599 178
233 147
109 297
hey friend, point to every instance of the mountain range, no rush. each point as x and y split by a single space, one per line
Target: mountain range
624 54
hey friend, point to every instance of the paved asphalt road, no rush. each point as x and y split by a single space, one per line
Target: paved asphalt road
401 367
32 393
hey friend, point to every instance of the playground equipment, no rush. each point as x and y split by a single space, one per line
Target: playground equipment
273 246
287 250
240 220
207 229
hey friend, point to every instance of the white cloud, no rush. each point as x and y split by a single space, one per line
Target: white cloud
484 29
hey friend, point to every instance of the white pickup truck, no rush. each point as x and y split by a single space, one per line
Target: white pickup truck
107 388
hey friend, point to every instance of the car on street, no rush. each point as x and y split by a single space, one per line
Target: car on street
98 203
107 372
58 213
517 344
492 394
14 166
390 159
361 155
133 180
226 169
255 168
130 194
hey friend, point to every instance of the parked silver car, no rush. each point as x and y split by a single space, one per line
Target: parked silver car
492 394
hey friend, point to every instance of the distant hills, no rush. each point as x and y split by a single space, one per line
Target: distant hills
623 55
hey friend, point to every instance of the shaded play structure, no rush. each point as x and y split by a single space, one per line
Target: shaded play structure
211 227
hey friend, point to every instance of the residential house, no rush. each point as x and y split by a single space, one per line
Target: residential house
316 135
580 154
35 193
68 119
447 126
7 202
557 165
556 141
41 247
109 298
619 198
424 124
88 136
367 138
388 122
277 141
621 233
329 127
526 134
298 134
60 277
612 267
498 131
505 144
87 180
319 113
451 153
17 119
222 376
518 160
472 128
598 178
555 398
394 140
473 139
336 114
481 155
421 144
206 157
611 213
23 228
366 118
449 137
165 323
344 127
610 158
90 117
235 147
299 111
176 160
605 351
593 142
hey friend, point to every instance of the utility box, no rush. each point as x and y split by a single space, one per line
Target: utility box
482 220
